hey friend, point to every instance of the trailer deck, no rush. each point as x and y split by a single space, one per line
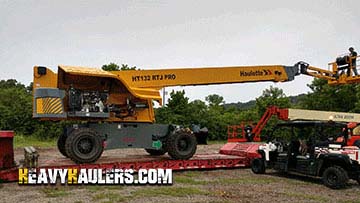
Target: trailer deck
231 155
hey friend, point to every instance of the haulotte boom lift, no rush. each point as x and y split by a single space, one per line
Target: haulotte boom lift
116 107
116 110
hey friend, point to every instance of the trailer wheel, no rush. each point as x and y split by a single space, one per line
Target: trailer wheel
335 177
61 144
155 152
258 166
181 145
84 145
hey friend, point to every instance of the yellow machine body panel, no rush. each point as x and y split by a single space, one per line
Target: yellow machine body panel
49 80
91 94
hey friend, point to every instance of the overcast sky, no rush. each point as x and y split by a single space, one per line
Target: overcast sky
167 34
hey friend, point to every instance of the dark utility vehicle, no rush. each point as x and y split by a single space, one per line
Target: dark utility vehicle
311 148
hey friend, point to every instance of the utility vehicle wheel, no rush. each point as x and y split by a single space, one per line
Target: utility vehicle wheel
181 145
258 166
357 143
335 177
61 144
154 152
84 145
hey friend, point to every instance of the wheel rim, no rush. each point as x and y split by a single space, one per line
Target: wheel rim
332 178
85 145
182 144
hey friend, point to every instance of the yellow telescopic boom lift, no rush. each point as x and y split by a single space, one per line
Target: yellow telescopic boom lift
116 108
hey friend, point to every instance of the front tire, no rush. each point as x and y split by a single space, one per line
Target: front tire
181 145
258 166
335 177
61 145
84 145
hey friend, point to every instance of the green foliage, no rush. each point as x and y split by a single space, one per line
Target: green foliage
215 100
176 111
15 104
115 67
16 112
110 67
272 97
15 107
215 116
332 98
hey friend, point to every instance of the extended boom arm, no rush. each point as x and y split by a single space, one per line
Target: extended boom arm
206 76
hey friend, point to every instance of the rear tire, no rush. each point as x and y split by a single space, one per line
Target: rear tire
335 177
61 145
181 145
258 166
84 145
155 152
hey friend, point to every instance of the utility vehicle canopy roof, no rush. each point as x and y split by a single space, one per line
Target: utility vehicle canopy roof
299 123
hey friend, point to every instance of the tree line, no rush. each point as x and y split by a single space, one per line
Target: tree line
213 112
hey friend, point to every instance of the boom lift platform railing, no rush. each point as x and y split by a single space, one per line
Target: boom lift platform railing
339 72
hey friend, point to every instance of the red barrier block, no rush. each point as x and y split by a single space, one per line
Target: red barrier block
6 149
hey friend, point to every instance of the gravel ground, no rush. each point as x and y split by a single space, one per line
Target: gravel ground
235 185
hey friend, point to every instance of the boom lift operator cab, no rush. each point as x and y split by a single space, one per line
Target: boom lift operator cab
115 109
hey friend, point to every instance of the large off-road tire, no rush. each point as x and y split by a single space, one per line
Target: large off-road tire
258 166
84 145
155 152
181 145
335 177
61 144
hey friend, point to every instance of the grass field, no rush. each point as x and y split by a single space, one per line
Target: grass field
237 185
23 141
